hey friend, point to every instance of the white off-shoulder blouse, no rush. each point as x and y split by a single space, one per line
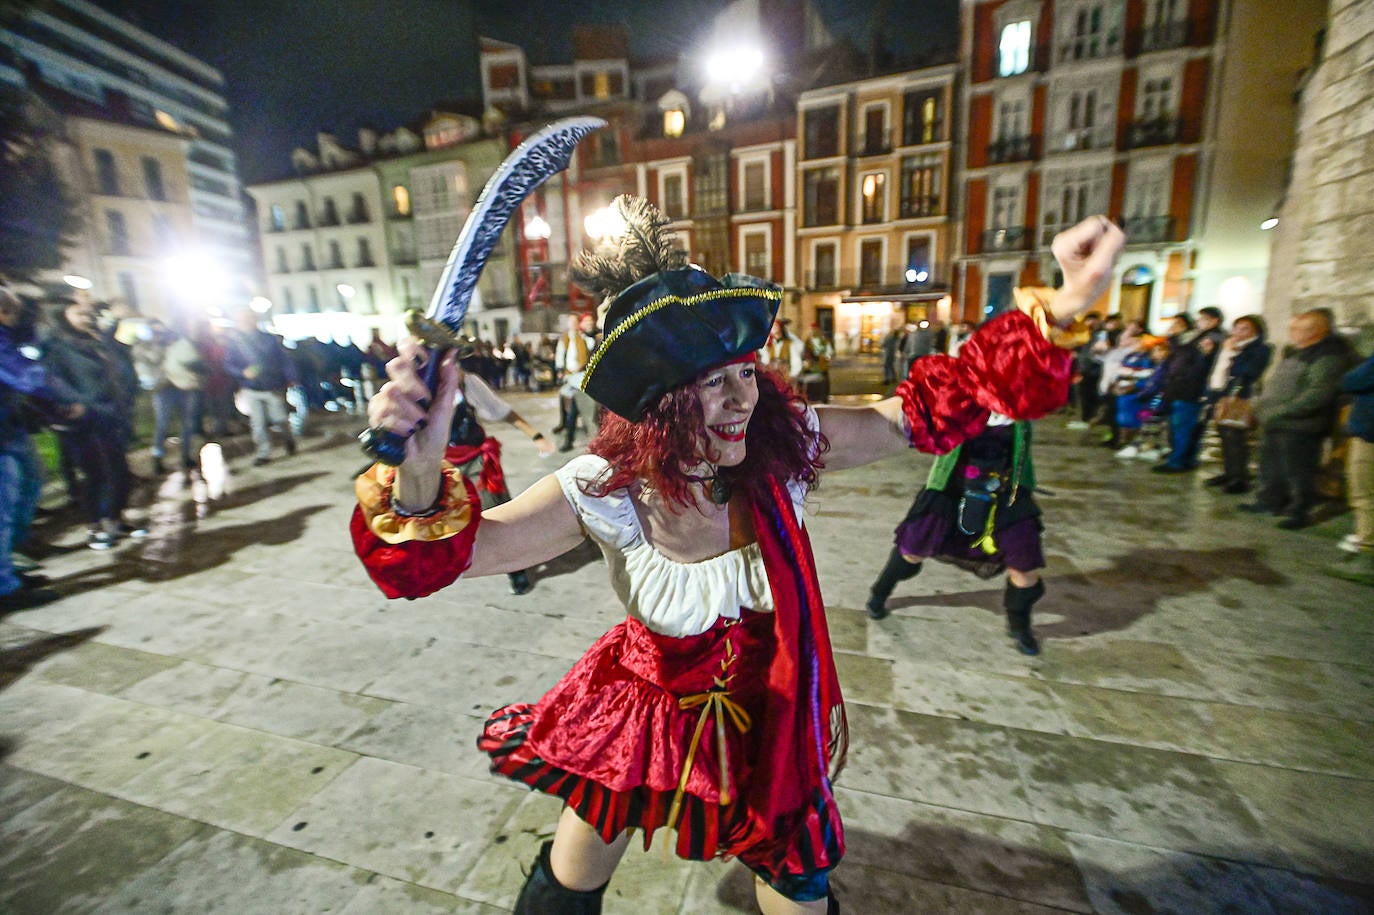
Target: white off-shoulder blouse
670 597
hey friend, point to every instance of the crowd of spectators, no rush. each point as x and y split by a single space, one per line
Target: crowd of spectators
1295 411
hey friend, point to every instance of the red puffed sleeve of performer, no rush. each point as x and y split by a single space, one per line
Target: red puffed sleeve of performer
1008 366
414 555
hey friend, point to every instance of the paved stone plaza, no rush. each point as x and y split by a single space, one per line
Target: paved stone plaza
237 721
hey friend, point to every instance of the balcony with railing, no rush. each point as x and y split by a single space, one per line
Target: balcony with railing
1012 149
1164 36
1149 229
1005 238
1153 132
1077 139
876 279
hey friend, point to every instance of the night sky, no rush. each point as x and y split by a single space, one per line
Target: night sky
296 67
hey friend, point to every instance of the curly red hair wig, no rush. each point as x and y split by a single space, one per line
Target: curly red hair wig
668 439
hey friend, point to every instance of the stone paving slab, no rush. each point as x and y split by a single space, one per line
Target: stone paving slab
235 720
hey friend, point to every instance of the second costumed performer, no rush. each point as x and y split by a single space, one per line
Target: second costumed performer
978 511
713 708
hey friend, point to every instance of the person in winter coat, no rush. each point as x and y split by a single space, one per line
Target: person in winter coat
1185 381
1240 363
88 362
1296 412
25 389
1359 476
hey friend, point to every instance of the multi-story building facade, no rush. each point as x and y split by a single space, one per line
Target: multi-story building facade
729 194
131 188
1123 107
363 234
875 234
81 49
717 157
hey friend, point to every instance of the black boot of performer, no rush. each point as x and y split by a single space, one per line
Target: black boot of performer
562 413
569 424
520 582
542 894
897 569
1018 602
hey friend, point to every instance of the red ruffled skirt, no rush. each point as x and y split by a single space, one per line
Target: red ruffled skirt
614 737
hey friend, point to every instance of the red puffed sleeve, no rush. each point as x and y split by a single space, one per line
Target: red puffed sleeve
413 556
1008 367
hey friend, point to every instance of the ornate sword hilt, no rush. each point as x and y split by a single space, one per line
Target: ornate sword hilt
383 445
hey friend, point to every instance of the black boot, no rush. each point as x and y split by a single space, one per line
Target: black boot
542 894
1018 602
897 569
832 904
520 582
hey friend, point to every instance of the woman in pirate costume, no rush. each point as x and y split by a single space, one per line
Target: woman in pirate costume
713 708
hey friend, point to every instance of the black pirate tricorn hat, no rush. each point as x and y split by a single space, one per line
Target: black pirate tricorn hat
667 321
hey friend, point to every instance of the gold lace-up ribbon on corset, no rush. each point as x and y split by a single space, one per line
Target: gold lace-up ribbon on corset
714 703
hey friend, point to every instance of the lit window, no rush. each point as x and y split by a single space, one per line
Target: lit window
401 195
874 197
673 123
1013 51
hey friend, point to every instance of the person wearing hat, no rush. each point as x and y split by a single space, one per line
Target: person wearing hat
784 351
714 708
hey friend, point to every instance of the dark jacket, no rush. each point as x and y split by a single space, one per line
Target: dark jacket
97 370
1360 382
275 371
1185 372
1300 395
27 390
1248 367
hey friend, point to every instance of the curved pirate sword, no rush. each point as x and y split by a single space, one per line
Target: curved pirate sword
540 156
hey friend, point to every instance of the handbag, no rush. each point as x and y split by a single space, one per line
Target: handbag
1235 412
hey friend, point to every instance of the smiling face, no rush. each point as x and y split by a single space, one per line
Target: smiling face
728 395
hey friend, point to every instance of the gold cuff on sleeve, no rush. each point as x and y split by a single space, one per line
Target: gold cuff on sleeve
451 514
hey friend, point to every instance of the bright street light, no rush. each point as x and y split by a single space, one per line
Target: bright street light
197 277
1269 223
260 304
76 281
537 229
346 290
734 67
604 224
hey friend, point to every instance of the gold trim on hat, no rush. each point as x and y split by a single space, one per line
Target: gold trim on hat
730 292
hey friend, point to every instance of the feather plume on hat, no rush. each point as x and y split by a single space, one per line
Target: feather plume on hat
664 319
641 250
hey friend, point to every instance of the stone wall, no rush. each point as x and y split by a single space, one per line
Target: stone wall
1323 249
